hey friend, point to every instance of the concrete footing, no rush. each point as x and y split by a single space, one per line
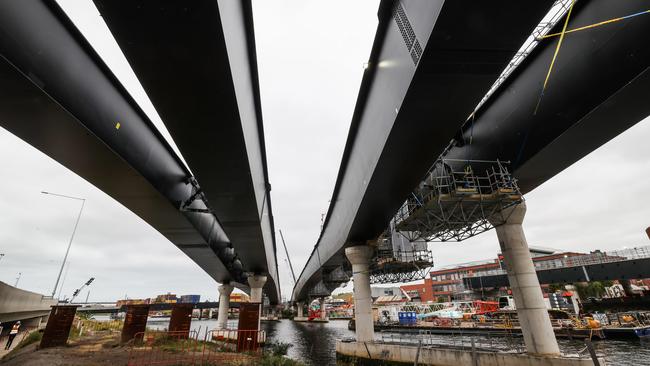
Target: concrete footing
181 319
371 353
135 322
58 326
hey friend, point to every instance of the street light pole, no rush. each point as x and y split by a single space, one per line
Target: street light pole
74 231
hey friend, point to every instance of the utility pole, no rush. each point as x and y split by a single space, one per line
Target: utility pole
65 276
65 258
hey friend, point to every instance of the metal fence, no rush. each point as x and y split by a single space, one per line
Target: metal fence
484 342
223 347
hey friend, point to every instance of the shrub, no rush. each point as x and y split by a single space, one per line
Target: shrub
279 348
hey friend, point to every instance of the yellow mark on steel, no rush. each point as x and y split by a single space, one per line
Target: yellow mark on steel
117 126
559 44
604 22
557 50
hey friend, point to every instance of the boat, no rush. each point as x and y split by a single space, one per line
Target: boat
630 324
478 318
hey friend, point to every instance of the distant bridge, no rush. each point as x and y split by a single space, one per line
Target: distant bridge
17 304
152 307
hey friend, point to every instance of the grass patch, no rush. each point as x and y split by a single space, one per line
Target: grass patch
278 348
277 360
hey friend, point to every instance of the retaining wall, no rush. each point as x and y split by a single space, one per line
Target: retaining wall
380 353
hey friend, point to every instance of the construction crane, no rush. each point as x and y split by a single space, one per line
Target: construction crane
288 259
77 291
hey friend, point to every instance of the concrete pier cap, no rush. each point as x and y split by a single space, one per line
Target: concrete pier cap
360 254
256 283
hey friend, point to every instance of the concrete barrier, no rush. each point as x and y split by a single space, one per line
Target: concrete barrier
380 353
17 304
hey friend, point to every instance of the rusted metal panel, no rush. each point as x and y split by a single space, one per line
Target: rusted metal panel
135 322
249 320
58 326
181 319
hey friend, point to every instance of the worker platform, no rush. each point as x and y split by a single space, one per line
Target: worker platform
399 260
458 199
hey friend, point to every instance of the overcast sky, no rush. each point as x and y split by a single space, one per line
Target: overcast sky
310 56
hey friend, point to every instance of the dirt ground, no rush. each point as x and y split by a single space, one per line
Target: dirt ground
100 350
103 349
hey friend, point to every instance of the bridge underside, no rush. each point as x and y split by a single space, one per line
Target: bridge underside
595 92
197 65
61 98
406 114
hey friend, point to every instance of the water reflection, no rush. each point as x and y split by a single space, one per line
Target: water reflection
313 343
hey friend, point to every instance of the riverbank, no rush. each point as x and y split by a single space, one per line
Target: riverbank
102 348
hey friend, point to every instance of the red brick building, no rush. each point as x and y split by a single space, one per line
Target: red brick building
447 284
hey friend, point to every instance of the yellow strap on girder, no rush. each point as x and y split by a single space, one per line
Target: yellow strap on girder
557 50
604 22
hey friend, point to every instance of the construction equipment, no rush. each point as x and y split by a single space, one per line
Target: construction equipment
77 291
288 259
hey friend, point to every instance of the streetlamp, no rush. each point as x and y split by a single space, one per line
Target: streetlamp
65 258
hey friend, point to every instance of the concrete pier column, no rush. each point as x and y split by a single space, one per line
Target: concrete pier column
359 257
323 312
224 305
256 282
300 308
531 310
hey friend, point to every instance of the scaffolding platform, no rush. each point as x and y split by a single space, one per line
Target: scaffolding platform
457 200
399 260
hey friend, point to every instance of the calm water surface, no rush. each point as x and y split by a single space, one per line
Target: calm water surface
314 343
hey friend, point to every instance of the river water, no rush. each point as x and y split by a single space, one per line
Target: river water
314 343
